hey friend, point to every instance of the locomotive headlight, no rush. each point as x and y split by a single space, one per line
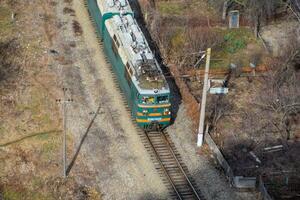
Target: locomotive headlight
145 112
167 111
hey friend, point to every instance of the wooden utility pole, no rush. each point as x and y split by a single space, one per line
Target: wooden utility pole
64 103
203 102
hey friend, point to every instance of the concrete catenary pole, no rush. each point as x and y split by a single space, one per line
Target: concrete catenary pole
64 103
203 102
64 134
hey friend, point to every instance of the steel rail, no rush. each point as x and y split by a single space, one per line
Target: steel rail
179 165
167 144
163 167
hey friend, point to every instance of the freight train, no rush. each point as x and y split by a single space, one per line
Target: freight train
138 72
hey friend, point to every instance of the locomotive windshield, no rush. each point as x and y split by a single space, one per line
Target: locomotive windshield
162 99
148 99
153 99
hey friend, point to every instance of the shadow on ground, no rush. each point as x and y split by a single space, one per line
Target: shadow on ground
82 141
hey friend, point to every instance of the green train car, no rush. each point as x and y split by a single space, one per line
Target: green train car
139 74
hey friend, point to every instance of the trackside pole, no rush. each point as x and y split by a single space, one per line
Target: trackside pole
203 102
64 134
64 103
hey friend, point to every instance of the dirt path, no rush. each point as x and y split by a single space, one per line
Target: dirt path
109 146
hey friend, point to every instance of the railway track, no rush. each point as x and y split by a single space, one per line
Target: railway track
169 165
162 151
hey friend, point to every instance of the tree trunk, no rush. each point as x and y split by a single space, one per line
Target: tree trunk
256 26
225 6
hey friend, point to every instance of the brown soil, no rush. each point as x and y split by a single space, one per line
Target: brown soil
30 120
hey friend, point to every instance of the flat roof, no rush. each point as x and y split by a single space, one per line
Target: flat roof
114 6
136 53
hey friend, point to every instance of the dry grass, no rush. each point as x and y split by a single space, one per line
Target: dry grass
30 122
6 23
179 7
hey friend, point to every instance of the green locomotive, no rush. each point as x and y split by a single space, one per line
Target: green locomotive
139 74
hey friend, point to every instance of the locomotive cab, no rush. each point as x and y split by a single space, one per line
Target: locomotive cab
153 110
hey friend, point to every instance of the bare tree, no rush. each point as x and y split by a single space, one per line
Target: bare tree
273 109
277 103
260 10
218 107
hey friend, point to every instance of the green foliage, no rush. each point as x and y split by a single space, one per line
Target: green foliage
170 8
237 39
11 195
234 47
234 42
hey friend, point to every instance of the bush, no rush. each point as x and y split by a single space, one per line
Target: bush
9 67
234 42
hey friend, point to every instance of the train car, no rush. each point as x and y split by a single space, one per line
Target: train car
101 10
139 74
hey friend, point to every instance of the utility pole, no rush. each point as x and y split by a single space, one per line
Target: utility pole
64 103
203 102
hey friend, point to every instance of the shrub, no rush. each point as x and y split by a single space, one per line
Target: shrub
234 41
